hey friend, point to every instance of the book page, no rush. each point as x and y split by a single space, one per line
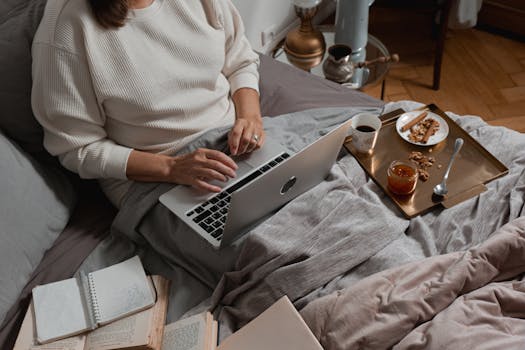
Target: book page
59 310
127 332
121 290
140 329
280 327
186 334
26 338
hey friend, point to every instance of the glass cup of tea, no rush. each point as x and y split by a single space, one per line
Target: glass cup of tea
402 177
365 128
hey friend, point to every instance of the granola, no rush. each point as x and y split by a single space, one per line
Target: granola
422 131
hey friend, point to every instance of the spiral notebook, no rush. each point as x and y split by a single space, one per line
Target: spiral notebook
73 306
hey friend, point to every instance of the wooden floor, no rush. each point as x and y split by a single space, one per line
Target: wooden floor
482 73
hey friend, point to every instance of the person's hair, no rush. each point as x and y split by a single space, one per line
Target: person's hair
110 13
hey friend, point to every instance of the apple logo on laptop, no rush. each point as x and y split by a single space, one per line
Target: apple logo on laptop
289 184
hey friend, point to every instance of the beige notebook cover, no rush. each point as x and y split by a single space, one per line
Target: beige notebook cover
280 327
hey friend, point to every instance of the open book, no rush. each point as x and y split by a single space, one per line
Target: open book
140 331
73 306
280 327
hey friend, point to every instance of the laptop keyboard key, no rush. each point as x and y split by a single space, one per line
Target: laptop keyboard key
208 220
202 216
216 215
217 233
199 210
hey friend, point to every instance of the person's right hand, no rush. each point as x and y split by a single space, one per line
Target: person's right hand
200 167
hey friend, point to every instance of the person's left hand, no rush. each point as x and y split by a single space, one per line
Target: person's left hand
246 135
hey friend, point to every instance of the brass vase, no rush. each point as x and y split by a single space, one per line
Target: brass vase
305 45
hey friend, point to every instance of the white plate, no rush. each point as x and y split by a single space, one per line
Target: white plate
439 136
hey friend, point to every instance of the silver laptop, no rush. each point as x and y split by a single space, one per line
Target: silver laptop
266 179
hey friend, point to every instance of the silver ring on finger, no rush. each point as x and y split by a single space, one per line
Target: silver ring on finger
256 138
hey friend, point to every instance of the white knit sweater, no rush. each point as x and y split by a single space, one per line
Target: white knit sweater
153 85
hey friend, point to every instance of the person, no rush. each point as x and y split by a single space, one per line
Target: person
120 86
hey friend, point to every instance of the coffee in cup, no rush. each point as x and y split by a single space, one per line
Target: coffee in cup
365 129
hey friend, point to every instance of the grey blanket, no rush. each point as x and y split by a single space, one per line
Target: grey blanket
346 229
148 223
333 235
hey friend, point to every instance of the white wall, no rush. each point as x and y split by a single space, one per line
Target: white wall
268 21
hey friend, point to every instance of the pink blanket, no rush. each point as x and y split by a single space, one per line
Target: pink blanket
463 300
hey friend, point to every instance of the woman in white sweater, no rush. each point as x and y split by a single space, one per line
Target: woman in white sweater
121 85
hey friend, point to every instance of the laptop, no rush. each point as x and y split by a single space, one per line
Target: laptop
266 179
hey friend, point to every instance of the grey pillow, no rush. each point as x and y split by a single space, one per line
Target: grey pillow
19 20
35 206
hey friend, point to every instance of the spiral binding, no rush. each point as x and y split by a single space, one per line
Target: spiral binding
93 298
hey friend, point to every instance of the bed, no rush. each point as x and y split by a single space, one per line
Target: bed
341 239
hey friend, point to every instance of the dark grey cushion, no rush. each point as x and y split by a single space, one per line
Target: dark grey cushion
35 206
19 20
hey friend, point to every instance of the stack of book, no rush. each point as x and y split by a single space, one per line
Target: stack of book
119 307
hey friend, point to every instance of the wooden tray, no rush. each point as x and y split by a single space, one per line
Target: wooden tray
474 165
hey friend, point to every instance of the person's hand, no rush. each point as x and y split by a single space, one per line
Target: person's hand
201 166
246 135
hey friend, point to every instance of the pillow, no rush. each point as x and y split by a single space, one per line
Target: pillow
286 89
19 20
35 206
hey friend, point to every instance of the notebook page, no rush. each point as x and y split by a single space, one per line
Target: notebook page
280 327
120 290
186 334
131 331
26 337
59 310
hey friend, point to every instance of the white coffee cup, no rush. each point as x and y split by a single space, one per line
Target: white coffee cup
365 128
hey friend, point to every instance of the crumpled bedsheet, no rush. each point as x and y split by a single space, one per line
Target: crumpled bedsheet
305 253
452 301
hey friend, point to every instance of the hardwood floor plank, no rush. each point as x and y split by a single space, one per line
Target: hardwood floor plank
519 78
498 53
506 110
515 123
482 73
514 94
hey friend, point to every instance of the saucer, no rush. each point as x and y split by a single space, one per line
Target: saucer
439 136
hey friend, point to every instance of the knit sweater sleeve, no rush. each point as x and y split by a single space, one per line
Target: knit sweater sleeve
65 104
241 62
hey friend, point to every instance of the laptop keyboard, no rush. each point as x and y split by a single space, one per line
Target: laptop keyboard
211 215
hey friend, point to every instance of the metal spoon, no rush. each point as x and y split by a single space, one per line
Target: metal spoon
441 188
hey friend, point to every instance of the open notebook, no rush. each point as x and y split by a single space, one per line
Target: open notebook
280 327
76 305
140 331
